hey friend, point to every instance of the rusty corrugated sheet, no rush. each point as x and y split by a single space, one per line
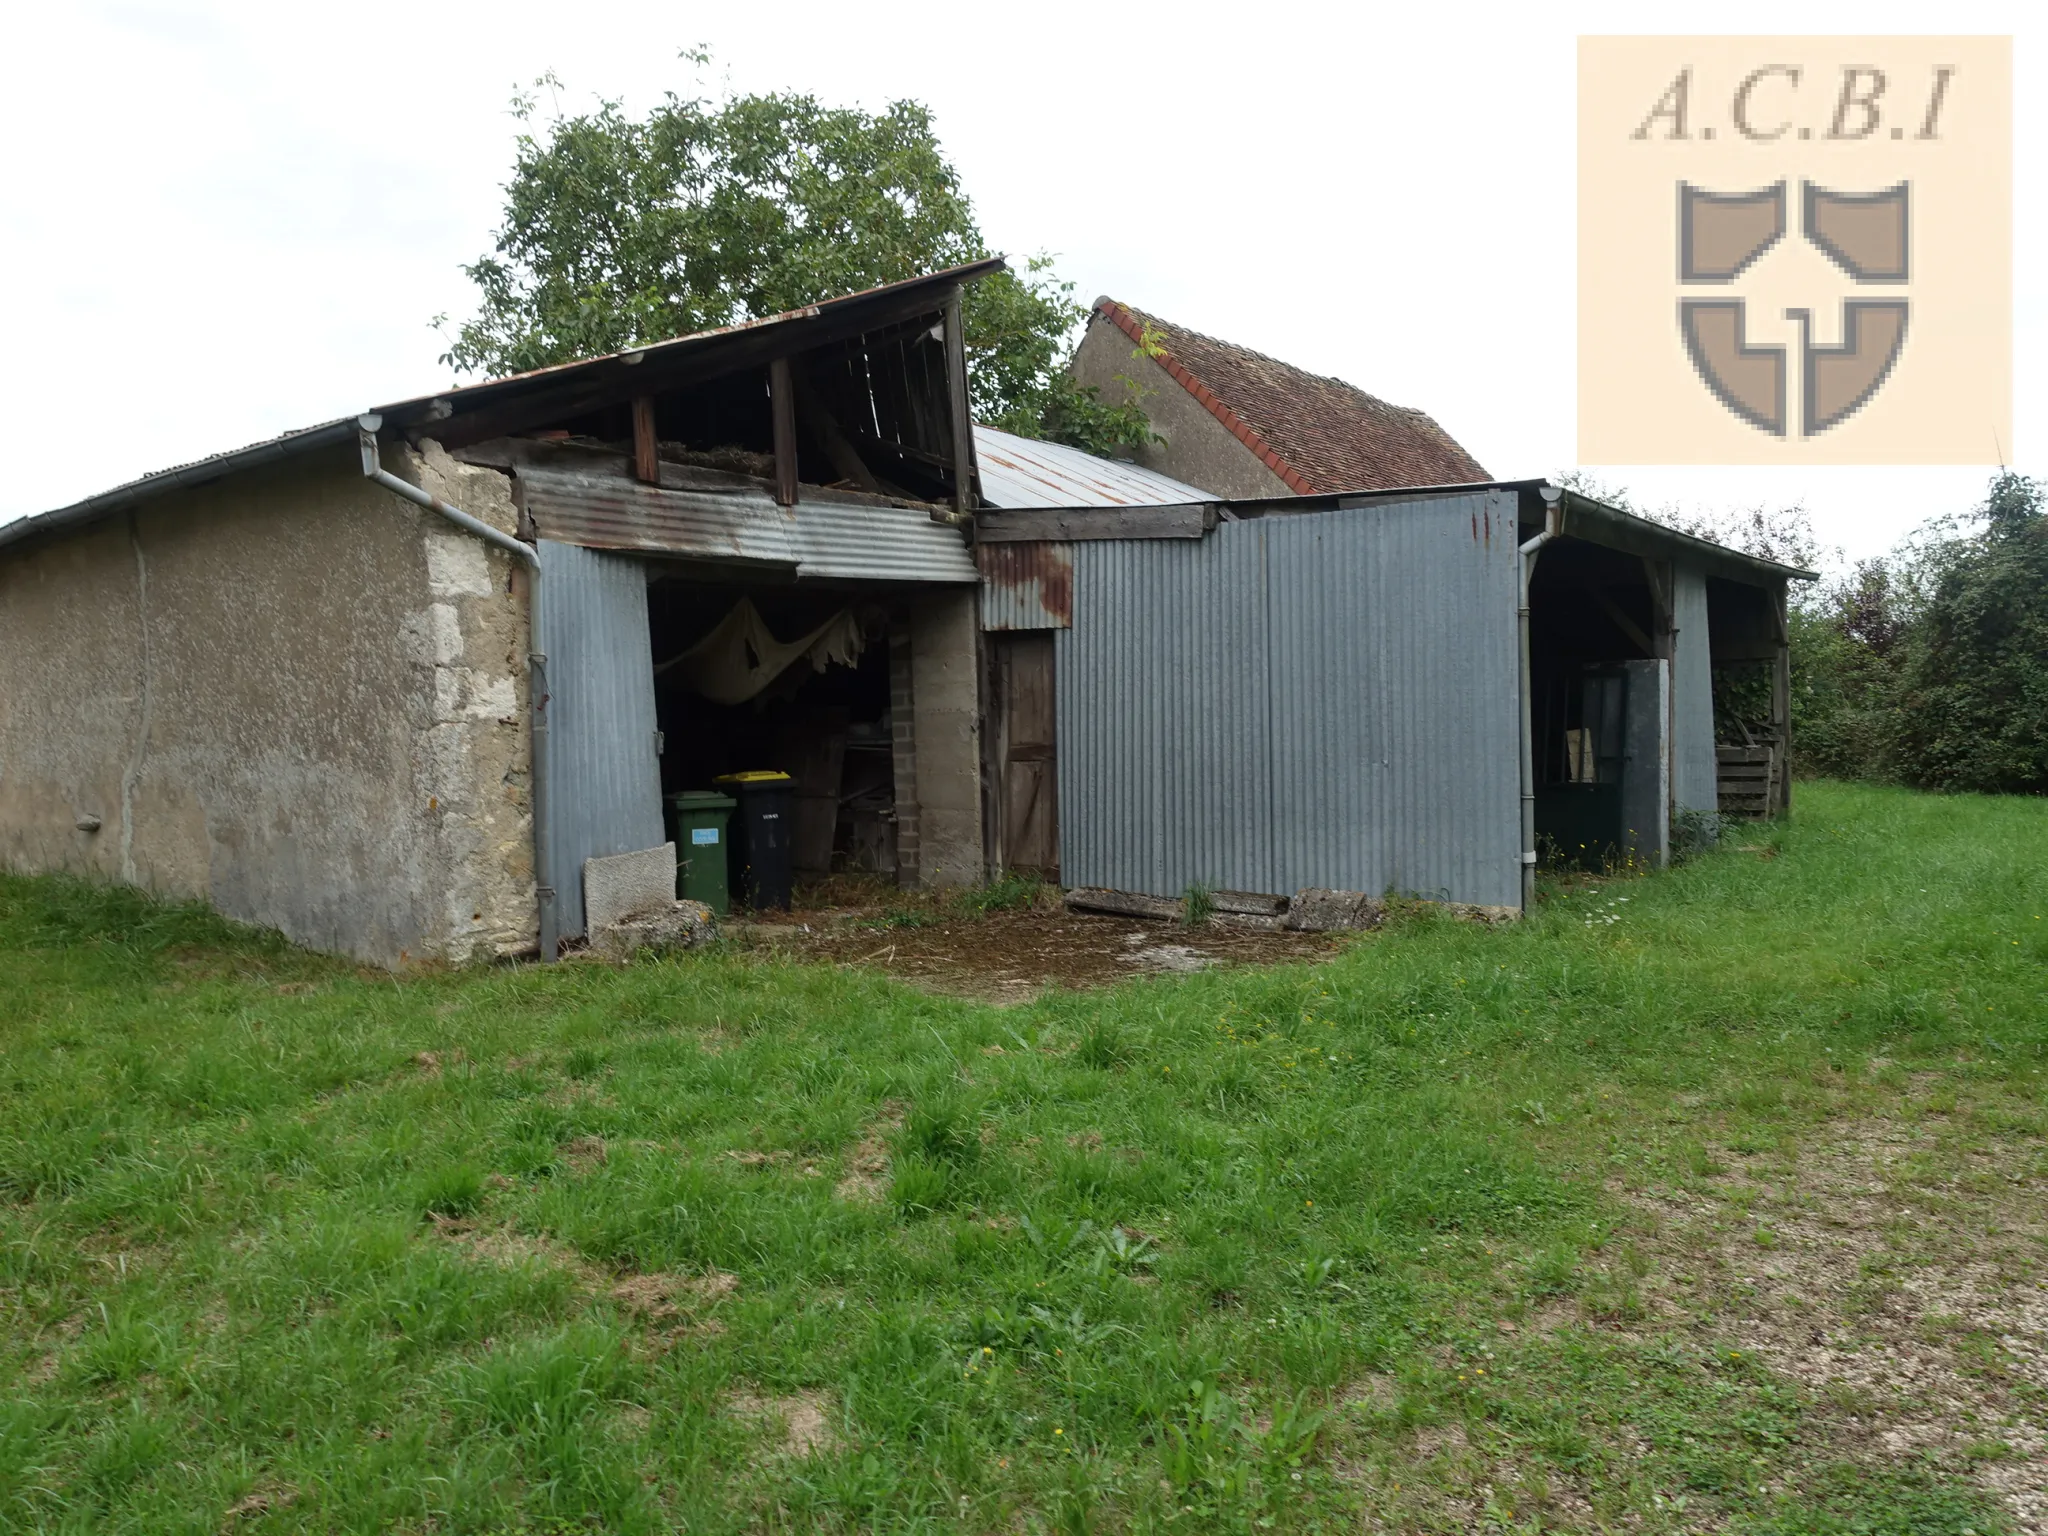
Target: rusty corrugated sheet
1023 472
845 542
1026 586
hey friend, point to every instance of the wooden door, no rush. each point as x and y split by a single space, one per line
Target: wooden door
1026 755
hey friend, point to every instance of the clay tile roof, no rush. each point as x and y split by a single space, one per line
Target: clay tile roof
1318 435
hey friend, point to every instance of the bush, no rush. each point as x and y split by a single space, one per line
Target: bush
1931 668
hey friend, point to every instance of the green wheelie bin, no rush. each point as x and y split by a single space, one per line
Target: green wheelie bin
700 818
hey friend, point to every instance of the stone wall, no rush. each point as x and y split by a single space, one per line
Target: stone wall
288 693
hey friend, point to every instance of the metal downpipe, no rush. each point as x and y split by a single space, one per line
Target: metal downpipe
1553 521
536 669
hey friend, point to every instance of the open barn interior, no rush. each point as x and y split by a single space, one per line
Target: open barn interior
753 547
1752 698
1598 706
751 677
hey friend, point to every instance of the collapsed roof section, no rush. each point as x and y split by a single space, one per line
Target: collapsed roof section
867 391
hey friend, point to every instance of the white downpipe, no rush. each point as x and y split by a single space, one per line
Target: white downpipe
536 668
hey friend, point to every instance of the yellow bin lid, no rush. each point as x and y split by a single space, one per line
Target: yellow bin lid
757 776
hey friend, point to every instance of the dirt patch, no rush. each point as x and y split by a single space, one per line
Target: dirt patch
1012 956
258 1501
501 1245
1900 1282
801 1418
868 1163
662 1297
669 1298
583 1154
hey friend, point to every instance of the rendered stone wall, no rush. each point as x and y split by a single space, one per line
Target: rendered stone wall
946 708
288 693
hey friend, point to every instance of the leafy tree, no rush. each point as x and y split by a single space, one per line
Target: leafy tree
1973 698
622 230
1847 649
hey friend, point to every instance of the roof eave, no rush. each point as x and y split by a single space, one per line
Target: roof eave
122 497
1626 528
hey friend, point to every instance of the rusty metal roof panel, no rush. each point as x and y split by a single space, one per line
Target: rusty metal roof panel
600 511
817 540
1023 472
1026 586
872 543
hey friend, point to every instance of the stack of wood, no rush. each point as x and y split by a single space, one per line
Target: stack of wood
1748 779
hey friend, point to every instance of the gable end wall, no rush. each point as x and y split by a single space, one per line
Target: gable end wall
1199 449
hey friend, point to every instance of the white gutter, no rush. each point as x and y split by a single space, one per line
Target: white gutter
536 667
1553 523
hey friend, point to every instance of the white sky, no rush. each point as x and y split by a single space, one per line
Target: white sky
226 220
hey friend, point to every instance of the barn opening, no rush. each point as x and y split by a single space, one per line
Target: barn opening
751 677
752 543
1600 707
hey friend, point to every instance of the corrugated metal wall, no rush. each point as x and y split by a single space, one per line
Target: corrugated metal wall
1693 769
1322 699
605 789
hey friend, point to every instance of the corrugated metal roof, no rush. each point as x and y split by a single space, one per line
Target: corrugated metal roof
842 540
1022 472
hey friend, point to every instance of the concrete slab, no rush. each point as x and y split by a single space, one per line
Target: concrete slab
623 886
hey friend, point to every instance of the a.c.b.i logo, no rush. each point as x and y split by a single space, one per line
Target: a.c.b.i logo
1721 235
1794 250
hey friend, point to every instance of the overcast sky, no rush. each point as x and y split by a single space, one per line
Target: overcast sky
223 221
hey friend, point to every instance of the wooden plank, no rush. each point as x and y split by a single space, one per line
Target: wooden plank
782 406
1781 701
1062 525
646 453
960 424
824 426
520 405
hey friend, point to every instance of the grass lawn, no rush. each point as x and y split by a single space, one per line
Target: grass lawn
1710 1200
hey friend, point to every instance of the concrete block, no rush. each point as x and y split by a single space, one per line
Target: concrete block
680 925
1248 903
624 886
1124 904
1324 911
